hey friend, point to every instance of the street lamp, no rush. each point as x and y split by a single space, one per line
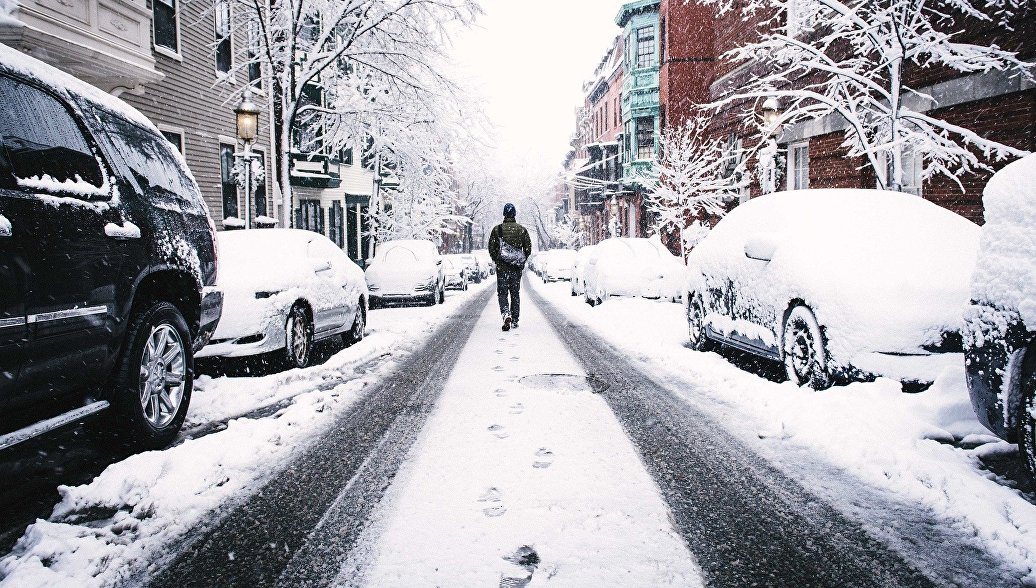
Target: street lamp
247 114
771 111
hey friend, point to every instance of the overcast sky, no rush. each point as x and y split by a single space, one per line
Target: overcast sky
528 59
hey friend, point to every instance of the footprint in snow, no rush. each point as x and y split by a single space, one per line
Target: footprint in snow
517 408
515 358
498 368
499 352
498 431
493 501
500 392
544 458
525 559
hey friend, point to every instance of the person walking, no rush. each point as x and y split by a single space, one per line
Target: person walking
509 246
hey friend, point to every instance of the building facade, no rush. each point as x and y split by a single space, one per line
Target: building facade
174 61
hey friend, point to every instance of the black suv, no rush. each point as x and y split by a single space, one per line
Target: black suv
107 262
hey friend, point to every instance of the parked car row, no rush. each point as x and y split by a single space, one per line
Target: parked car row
108 267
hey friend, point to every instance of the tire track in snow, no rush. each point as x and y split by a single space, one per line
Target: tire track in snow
746 522
284 528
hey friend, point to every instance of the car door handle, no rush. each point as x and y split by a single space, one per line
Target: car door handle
127 231
5 227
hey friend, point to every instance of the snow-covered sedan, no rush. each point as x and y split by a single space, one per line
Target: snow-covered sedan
624 266
455 272
485 261
406 271
557 265
836 284
579 269
1000 327
285 289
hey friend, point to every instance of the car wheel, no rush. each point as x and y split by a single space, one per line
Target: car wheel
804 353
699 341
152 386
355 334
298 331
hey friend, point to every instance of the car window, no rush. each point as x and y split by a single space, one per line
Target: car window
45 146
149 156
400 255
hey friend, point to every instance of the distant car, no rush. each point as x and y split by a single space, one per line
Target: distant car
485 261
107 262
557 265
406 271
1000 324
578 280
286 289
626 266
475 272
533 262
455 272
838 285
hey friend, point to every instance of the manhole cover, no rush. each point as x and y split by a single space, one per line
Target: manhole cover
563 383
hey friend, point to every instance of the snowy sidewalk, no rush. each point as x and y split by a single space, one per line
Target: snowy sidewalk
515 465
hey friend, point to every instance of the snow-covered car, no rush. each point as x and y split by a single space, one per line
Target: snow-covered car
455 272
284 290
107 262
475 272
836 284
624 266
579 265
1000 324
485 260
406 271
557 265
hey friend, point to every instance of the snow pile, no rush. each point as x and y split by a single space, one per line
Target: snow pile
5 226
105 532
1005 276
77 186
882 271
233 222
633 267
128 230
7 10
875 436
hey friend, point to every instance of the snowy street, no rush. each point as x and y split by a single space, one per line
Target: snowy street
550 455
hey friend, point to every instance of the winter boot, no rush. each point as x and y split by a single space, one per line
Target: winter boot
514 323
507 322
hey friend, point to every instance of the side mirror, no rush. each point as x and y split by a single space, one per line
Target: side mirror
761 247
321 265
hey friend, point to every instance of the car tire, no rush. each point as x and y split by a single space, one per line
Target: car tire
803 350
153 381
355 334
1025 422
298 337
698 339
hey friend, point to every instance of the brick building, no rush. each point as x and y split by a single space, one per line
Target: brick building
993 104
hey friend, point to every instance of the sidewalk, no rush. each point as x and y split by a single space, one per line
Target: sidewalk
522 481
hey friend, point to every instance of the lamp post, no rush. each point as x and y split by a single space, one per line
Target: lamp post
247 115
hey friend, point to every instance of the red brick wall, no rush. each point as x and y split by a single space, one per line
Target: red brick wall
688 58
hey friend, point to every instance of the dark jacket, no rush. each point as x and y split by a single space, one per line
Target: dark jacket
516 235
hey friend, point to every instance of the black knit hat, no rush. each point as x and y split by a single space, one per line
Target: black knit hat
509 211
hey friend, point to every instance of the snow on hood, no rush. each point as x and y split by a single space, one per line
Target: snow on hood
1006 274
883 271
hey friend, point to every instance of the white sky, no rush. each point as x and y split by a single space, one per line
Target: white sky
529 59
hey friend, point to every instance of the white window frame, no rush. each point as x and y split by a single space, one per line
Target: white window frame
162 49
228 140
793 151
176 131
912 164
229 74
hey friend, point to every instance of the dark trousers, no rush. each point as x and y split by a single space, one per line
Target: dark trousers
508 282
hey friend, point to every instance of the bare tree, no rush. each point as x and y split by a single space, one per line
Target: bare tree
850 59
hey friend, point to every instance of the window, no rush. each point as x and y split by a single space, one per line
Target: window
347 156
176 138
224 50
912 168
310 216
43 141
259 197
606 119
616 111
645 138
148 157
646 46
798 166
166 25
255 70
226 169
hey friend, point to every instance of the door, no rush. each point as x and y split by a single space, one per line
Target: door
13 271
71 262
332 310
